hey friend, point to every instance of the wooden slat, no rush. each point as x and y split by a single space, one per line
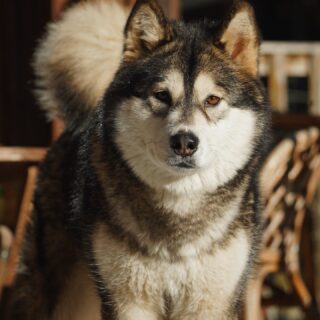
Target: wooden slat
278 83
290 48
314 85
295 66
17 154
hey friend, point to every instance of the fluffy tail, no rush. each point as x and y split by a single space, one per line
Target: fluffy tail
77 59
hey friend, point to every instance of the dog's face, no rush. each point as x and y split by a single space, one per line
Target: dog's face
190 108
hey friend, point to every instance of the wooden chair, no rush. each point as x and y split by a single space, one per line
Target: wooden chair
289 178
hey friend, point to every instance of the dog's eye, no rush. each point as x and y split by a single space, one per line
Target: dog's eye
212 101
163 96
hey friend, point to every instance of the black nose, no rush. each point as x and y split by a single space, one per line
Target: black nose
184 144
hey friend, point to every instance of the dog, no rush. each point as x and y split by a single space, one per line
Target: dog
147 207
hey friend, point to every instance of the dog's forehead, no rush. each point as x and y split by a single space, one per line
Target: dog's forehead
193 69
203 84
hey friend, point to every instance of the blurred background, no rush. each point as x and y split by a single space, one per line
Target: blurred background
288 281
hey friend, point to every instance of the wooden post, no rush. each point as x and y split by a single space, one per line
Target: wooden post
171 8
56 7
16 154
314 83
278 83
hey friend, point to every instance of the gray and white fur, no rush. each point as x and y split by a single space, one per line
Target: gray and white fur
147 207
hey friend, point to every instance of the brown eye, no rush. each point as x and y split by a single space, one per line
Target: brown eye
163 96
212 101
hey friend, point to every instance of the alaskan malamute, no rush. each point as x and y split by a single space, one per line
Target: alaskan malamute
147 207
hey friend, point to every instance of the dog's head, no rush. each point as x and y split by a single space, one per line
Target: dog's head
188 109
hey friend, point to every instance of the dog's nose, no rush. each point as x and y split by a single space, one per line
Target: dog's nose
184 144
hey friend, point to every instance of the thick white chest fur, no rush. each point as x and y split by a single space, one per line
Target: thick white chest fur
199 287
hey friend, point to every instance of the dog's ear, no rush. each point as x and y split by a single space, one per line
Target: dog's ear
240 36
146 29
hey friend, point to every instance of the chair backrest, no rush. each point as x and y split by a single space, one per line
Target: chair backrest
289 179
